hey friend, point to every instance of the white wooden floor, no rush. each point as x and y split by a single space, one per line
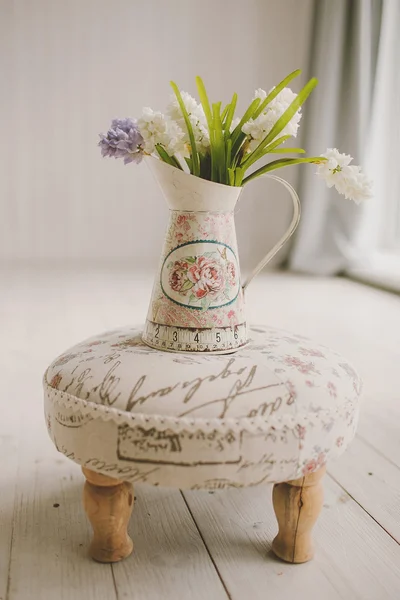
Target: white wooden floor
197 545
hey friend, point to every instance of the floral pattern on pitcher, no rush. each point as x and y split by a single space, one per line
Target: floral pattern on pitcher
199 284
168 312
201 280
188 226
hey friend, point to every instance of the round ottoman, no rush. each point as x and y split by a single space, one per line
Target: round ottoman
275 411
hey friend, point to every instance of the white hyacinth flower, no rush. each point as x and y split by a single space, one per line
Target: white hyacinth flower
329 169
348 179
197 119
192 107
260 93
156 128
354 184
259 128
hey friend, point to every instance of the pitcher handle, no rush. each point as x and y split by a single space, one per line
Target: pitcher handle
288 233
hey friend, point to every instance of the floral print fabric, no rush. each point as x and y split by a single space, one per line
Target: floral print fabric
277 409
202 279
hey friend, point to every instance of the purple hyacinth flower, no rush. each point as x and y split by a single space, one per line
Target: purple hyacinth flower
123 140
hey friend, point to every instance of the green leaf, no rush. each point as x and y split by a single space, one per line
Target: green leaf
214 159
189 163
163 154
228 153
190 259
239 173
262 150
290 111
288 151
205 165
247 115
239 136
186 286
230 114
219 143
210 122
273 93
282 162
204 101
224 112
192 298
177 163
276 143
282 121
205 303
195 156
246 165
231 176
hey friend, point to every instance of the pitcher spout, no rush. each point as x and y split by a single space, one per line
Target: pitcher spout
183 191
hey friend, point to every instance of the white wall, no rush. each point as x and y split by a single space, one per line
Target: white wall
67 67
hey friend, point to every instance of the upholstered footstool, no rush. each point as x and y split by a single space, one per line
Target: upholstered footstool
276 411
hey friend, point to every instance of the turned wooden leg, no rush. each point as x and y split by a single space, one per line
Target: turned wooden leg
108 504
297 504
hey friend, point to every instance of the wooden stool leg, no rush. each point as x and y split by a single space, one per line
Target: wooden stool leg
108 504
297 504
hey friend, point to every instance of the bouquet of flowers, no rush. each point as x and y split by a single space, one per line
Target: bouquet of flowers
209 141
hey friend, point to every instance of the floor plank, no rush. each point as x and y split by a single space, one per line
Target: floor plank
9 448
373 482
42 312
169 554
8 480
51 535
379 427
355 558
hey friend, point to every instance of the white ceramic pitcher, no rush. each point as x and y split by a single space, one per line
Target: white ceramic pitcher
198 299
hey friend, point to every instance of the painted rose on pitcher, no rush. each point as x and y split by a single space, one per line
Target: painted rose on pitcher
204 280
207 276
198 277
178 277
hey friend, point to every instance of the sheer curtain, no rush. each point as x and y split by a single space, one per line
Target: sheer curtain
348 37
376 256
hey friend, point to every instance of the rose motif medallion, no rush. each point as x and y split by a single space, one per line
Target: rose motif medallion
201 275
